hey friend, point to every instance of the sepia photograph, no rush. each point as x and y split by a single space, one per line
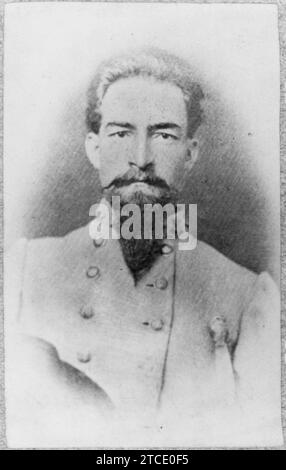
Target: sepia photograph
142 225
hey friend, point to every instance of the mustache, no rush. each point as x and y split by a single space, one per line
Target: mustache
152 181
138 176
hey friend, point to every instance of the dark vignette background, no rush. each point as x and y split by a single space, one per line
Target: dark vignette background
235 214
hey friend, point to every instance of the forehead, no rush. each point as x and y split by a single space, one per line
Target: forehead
144 99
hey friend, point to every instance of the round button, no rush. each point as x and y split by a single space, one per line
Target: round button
87 312
167 249
161 283
157 324
93 272
84 356
99 242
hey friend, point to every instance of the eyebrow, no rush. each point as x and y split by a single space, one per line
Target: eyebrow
151 128
163 125
126 125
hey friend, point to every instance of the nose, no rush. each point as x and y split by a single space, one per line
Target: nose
141 155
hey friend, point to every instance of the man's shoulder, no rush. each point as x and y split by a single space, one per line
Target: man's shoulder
218 287
75 241
58 252
207 263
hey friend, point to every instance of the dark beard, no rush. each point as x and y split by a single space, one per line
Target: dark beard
141 254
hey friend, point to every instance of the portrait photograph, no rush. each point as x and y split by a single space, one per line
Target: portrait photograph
141 194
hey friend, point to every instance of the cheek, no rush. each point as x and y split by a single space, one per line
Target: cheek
169 162
114 157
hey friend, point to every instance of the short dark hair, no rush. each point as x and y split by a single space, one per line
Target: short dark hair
155 63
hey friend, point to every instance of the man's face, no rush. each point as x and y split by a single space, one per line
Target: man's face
143 127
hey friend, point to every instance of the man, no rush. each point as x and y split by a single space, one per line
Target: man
134 341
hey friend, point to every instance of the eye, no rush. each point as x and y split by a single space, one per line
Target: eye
120 134
166 136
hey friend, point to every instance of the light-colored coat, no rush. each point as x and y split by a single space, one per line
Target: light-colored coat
193 350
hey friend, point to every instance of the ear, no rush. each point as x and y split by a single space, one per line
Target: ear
92 149
192 153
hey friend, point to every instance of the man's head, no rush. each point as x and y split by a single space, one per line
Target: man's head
143 111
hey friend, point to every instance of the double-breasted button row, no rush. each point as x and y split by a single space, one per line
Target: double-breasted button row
87 312
161 283
99 242
167 249
93 272
84 357
157 324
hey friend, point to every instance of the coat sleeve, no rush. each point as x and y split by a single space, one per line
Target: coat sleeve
257 364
